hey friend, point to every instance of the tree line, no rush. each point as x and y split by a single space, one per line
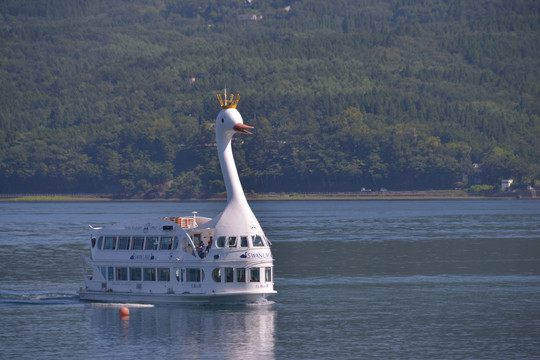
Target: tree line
119 96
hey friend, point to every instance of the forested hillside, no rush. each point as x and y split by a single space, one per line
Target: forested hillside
119 95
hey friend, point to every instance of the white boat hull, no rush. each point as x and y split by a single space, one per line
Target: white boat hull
228 298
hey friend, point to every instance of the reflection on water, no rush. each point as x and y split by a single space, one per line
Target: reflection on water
226 332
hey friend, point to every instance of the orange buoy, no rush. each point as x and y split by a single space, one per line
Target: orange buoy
124 313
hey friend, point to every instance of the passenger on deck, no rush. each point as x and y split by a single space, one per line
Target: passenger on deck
201 250
209 245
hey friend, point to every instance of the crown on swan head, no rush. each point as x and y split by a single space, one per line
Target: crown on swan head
228 103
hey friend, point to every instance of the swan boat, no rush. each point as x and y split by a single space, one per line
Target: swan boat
187 259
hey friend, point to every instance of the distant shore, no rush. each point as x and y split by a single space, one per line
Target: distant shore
364 195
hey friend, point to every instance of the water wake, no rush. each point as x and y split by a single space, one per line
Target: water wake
38 298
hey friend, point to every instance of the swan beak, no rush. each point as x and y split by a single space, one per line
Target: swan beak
243 128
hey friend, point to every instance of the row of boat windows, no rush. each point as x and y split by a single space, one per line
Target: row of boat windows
230 275
136 242
188 274
169 242
242 241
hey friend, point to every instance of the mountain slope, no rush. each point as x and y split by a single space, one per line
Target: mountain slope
119 96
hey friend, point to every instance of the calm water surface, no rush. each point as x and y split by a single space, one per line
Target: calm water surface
355 279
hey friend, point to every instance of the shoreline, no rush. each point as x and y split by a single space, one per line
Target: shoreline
366 195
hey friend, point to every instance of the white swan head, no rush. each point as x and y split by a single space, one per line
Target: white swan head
230 121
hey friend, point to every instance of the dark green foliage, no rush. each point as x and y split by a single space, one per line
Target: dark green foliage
119 96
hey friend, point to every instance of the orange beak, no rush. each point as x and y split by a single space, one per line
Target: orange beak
243 128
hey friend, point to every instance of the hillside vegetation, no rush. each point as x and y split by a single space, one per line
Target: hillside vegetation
119 95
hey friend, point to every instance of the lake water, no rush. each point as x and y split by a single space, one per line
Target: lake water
355 279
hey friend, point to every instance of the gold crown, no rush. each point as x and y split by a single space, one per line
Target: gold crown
228 103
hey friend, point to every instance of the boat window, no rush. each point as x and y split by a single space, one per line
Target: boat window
241 275
135 274
99 242
193 275
178 273
243 241
103 271
110 243
152 243
216 274
149 274
232 241
110 273
175 243
268 274
254 275
121 273
166 243
138 242
93 241
164 274
221 241
258 241
123 242
229 274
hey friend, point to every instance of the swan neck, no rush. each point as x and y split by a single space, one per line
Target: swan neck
230 173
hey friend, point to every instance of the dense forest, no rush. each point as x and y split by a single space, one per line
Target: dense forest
119 96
